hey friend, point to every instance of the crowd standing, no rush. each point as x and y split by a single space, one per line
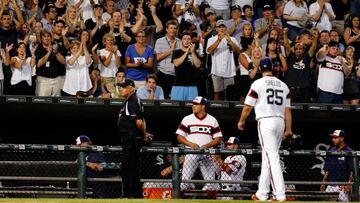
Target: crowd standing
189 47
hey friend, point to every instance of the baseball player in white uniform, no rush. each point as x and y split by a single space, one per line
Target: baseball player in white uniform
232 168
199 130
271 99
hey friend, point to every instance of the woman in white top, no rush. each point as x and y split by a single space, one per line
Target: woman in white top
21 67
245 61
295 11
4 60
77 69
110 58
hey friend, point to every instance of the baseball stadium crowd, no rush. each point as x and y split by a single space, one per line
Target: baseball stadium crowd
178 49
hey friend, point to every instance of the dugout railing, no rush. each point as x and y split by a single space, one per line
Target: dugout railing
60 171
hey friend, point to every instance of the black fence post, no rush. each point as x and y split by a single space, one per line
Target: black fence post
175 176
81 183
356 179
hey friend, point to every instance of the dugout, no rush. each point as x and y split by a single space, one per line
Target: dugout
45 120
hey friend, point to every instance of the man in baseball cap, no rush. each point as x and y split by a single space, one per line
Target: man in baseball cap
265 24
267 8
235 6
199 130
83 140
232 168
210 11
199 100
233 141
338 169
265 64
338 133
220 23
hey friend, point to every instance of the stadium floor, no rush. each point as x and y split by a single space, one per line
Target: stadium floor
8 200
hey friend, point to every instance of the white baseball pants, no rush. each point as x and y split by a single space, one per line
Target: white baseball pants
270 132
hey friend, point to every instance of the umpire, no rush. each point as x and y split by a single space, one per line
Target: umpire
132 131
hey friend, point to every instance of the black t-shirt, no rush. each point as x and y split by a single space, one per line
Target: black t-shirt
355 44
99 34
60 11
63 51
350 84
131 111
298 73
8 37
164 13
122 44
340 9
52 68
185 74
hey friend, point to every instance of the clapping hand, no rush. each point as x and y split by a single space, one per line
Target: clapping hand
192 48
8 48
227 37
173 45
94 48
65 31
148 137
152 9
114 49
55 47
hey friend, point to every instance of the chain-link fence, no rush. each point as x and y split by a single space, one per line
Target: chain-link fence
70 171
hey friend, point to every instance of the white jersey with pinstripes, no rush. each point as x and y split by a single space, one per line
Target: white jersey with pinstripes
269 96
237 164
200 131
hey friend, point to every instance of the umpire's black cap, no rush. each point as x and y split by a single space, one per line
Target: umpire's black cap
265 64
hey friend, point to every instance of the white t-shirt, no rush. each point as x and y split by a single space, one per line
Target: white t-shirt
324 23
331 75
223 63
108 71
292 10
242 3
269 96
85 8
200 131
23 73
189 14
77 76
219 4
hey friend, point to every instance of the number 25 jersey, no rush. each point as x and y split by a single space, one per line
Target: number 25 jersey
269 96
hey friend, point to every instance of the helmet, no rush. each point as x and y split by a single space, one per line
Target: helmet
266 64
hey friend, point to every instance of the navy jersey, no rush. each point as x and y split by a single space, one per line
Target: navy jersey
339 168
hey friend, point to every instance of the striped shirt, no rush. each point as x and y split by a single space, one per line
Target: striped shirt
200 131
331 75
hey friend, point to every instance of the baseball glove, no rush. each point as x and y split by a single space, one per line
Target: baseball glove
292 142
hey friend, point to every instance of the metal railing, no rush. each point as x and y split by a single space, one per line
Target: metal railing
73 158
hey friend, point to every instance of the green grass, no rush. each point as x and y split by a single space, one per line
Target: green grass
8 200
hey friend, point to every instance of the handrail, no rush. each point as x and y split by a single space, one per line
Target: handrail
172 150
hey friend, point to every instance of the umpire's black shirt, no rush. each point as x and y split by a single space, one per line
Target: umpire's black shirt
131 110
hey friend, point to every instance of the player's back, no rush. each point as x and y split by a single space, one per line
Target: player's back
269 96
